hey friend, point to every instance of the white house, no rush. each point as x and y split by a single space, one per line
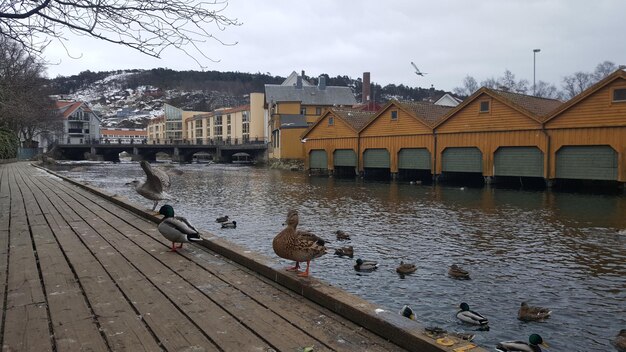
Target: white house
80 123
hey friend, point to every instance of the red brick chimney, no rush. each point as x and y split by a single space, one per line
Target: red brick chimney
365 99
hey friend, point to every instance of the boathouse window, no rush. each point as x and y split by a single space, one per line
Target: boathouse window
394 115
484 106
318 111
619 94
302 111
331 121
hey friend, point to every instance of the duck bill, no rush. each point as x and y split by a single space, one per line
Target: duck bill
545 345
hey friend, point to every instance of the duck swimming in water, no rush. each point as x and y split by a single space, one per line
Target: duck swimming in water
407 312
176 228
222 219
342 236
619 342
365 265
532 345
405 268
299 246
229 225
155 186
530 313
345 251
471 317
457 272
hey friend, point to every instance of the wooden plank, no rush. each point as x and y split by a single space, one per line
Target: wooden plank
323 325
26 324
171 327
5 215
116 316
72 319
227 331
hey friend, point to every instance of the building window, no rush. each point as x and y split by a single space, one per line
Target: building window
484 106
302 111
619 94
394 115
318 111
228 119
331 121
218 120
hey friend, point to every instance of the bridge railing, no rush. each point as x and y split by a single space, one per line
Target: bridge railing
211 141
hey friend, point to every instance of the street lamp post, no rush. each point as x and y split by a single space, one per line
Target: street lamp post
535 51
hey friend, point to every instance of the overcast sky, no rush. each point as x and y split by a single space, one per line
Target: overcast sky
447 39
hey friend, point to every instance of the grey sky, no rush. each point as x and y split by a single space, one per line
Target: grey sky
448 39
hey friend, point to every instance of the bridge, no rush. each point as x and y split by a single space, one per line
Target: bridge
181 151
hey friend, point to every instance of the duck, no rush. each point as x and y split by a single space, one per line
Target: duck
530 313
176 228
222 219
619 342
437 332
345 251
405 268
457 272
471 317
299 246
532 345
229 225
155 186
365 265
342 236
407 312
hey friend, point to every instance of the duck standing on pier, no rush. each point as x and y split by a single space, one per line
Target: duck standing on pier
176 228
155 186
299 246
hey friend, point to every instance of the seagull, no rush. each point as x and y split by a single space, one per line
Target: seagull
176 228
157 182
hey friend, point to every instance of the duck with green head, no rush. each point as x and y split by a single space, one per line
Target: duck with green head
176 228
471 317
532 345
365 265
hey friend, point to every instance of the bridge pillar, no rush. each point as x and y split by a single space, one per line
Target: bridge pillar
92 155
136 156
177 157
218 155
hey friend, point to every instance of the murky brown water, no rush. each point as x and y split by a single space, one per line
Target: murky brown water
564 251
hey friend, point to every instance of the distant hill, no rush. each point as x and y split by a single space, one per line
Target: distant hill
130 98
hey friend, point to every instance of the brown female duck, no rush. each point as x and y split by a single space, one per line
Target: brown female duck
457 272
406 268
342 236
530 313
299 246
345 251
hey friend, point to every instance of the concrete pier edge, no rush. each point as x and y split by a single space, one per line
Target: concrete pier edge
380 320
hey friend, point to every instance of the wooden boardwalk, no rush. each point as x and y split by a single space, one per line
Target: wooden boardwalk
79 273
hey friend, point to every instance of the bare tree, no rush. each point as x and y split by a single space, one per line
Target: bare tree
547 90
469 87
604 69
576 83
147 26
25 106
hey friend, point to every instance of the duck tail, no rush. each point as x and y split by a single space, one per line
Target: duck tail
194 237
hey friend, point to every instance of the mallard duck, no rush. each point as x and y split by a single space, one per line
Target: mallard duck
222 219
345 251
530 313
457 272
405 268
407 312
619 342
471 317
437 332
299 246
157 182
342 236
532 345
176 228
229 225
365 265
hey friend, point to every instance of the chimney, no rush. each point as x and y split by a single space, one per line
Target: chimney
299 82
322 83
366 88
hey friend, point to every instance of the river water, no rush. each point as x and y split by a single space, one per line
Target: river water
565 251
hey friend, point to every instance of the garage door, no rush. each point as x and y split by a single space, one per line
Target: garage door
414 158
376 158
318 159
587 163
518 161
344 157
462 160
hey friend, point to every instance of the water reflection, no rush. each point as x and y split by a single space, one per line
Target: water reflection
559 250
